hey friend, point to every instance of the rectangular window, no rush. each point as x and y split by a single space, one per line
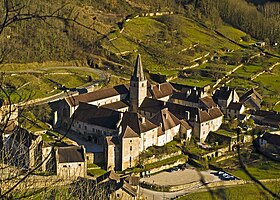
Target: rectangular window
130 148
85 127
79 125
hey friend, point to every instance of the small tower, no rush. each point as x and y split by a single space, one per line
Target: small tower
138 86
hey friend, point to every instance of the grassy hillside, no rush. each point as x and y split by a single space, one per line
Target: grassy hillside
169 42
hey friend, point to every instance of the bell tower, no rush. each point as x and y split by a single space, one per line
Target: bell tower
138 86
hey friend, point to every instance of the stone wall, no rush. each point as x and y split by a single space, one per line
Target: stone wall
157 159
164 167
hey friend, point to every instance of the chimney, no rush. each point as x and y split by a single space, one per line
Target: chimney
187 115
196 118
159 87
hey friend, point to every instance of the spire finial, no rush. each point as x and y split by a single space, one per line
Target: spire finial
138 73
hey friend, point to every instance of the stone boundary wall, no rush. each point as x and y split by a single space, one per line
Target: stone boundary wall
165 156
164 167
169 188
174 188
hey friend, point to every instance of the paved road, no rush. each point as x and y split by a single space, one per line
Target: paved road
154 195
101 74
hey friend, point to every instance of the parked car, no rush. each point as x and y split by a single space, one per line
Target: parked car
220 172
170 170
177 168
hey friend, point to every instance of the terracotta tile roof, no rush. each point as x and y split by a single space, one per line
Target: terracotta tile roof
185 124
166 119
129 133
214 113
97 95
155 106
70 154
208 102
95 115
162 90
160 132
136 122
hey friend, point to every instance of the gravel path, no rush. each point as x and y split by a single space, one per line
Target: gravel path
181 177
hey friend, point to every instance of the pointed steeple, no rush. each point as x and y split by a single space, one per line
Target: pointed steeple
138 74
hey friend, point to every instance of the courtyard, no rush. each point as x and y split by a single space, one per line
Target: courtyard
189 175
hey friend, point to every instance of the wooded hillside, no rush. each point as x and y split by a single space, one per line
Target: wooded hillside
61 40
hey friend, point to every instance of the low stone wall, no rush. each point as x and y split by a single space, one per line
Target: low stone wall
164 167
238 182
169 188
163 157
226 157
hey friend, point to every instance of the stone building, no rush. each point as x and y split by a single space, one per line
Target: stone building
126 120
224 96
23 148
251 99
71 162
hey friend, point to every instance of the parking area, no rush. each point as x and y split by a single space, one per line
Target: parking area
188 175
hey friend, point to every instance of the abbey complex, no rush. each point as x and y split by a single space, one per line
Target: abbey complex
127 119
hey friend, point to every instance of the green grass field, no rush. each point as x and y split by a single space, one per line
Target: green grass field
248 192
260 170
234 34
40 81
164 42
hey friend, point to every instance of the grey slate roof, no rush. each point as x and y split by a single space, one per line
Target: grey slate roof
223 93
70 154
116 105
95 115
251 93
235 106
138 74
272 138
97 95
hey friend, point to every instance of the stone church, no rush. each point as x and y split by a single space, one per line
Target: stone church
127 119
